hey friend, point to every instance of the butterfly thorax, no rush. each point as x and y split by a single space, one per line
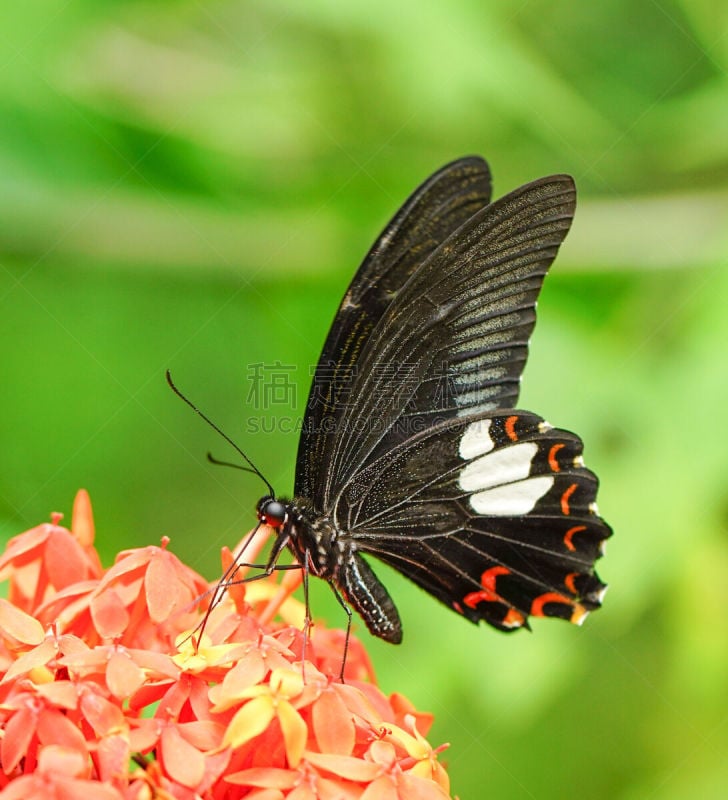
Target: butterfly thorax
313 539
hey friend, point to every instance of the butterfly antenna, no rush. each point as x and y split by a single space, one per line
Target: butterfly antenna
218 463
204 416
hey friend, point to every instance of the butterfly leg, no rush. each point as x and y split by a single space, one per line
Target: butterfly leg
349 615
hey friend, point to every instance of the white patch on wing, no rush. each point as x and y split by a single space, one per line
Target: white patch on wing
513 499
509 464
476 440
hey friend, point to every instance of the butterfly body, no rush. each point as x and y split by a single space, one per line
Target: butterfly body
328 553
413 450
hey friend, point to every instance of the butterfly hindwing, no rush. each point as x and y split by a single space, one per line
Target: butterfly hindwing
493 515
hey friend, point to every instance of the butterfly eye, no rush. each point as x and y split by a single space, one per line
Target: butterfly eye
271 512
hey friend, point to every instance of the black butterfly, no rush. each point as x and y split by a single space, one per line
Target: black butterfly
411 449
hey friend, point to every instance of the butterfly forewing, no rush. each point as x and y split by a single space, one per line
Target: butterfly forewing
454 340
441 205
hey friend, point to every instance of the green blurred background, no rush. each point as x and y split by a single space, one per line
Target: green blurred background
192 184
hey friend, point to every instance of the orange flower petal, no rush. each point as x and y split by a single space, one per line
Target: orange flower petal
182 762
258 794
249 721
65 606
109 614
37 657
382 753
54 727
123 676
156 663
26 787
415 788
129 564
333 724
264 777
144 734
64 559
20 550
402 706
70 789
348 767
336 790
19 730
204 735
302 792
161 587
112 757
63 694
54 759
18 625
249 671
381 789
104 717
358 700
215 765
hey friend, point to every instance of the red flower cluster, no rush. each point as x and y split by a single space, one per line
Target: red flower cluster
105 695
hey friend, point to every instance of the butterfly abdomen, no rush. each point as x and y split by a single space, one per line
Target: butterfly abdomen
316 542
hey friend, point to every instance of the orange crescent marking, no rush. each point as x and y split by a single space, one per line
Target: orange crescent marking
488 593
553 463
570 533
510 428
579 613
487 579
569 582
565 499
548 597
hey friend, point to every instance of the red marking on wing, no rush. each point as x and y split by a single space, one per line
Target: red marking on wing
570 533
565 499
553 463
510 427
569 582
488 592
549 597
457 607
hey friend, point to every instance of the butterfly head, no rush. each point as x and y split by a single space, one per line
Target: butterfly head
272 512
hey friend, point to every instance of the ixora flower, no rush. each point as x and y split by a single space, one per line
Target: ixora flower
106 692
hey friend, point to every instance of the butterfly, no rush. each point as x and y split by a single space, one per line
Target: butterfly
412 448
